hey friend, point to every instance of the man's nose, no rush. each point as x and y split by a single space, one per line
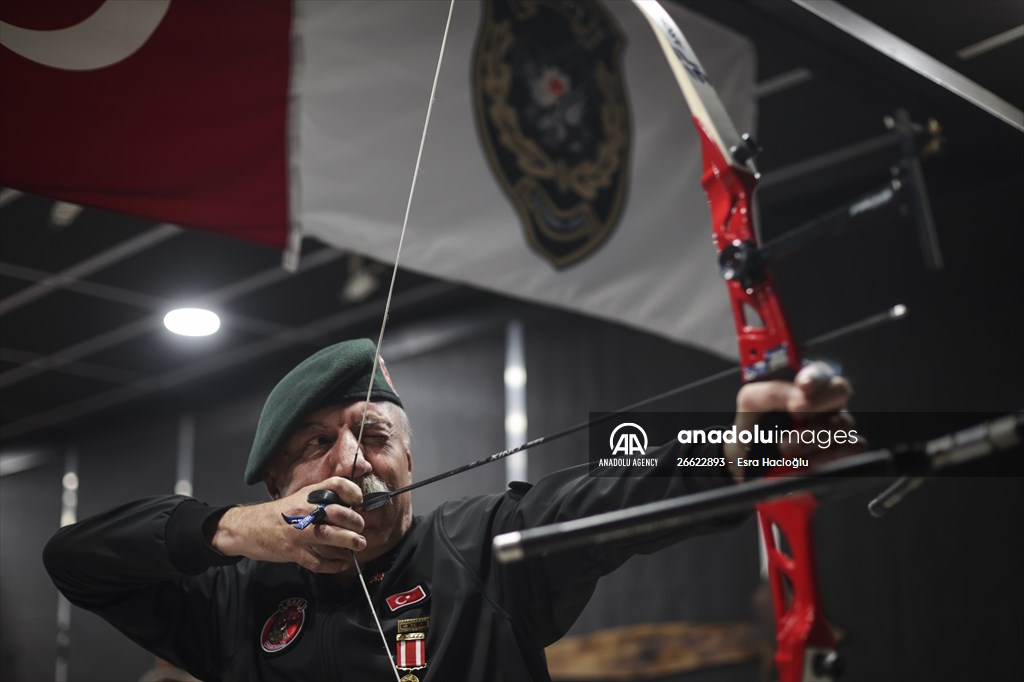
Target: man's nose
345 448
362 467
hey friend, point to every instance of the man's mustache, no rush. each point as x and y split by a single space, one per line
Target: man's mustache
372 483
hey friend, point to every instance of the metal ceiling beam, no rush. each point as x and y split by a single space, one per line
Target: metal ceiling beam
83 369
145 301
16 462
102 291
7 195
79 350
984 46
904 53
784 81
88 266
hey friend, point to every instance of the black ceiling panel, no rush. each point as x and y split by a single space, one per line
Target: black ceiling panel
188 266
28 236
64 318
161 351
299 299
12 285
45 392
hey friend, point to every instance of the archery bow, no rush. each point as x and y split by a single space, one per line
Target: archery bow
805 645
805 648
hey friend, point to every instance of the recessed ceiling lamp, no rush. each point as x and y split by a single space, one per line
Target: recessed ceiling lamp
192 321
63 213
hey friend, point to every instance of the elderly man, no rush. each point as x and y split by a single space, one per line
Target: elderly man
237 593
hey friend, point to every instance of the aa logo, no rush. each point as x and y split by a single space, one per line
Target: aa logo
628 439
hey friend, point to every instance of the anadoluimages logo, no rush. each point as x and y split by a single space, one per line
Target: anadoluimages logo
628 439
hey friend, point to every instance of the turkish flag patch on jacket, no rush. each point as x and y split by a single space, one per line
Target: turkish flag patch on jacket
407 598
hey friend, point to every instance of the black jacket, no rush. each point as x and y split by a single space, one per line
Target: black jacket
146 568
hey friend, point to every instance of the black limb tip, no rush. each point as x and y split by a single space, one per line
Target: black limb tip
323 497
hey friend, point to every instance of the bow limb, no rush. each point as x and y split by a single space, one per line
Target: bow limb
805 645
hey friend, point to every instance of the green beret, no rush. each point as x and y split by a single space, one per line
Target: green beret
336 374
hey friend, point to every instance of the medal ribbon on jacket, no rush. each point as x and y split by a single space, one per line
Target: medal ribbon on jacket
805 645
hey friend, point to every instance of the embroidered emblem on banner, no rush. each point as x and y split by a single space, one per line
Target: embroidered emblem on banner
284 626
407 598
551 110
411 645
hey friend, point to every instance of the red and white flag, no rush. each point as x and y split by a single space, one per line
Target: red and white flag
277 120
175 111
407 598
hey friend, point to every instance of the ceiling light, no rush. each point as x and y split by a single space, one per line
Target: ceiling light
359 286
63 213
192 322
515 376
362 280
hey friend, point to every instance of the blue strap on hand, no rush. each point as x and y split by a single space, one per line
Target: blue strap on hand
321 498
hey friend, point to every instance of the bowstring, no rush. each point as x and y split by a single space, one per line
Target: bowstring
387 312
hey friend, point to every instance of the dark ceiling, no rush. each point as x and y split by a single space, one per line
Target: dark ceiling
81 303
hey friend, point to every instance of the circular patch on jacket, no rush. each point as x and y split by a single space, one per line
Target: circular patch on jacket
284 626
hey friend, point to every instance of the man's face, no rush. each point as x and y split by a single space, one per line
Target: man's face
324 445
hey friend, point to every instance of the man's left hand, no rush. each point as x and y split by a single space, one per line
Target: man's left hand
816 398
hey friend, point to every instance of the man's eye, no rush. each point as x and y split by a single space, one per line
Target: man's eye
319 441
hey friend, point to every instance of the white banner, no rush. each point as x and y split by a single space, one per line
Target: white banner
360 88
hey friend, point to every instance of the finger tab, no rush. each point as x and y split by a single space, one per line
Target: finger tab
323 497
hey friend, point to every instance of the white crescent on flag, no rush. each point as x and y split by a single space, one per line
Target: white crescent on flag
109 35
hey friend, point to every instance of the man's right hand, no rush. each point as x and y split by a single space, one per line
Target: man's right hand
259 532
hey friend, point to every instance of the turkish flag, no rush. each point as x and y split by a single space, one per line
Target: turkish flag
174 111
403 599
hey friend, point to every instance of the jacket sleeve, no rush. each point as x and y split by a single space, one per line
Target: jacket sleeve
560 584
143 568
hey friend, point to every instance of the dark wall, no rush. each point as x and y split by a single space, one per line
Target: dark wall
454 396
29 513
